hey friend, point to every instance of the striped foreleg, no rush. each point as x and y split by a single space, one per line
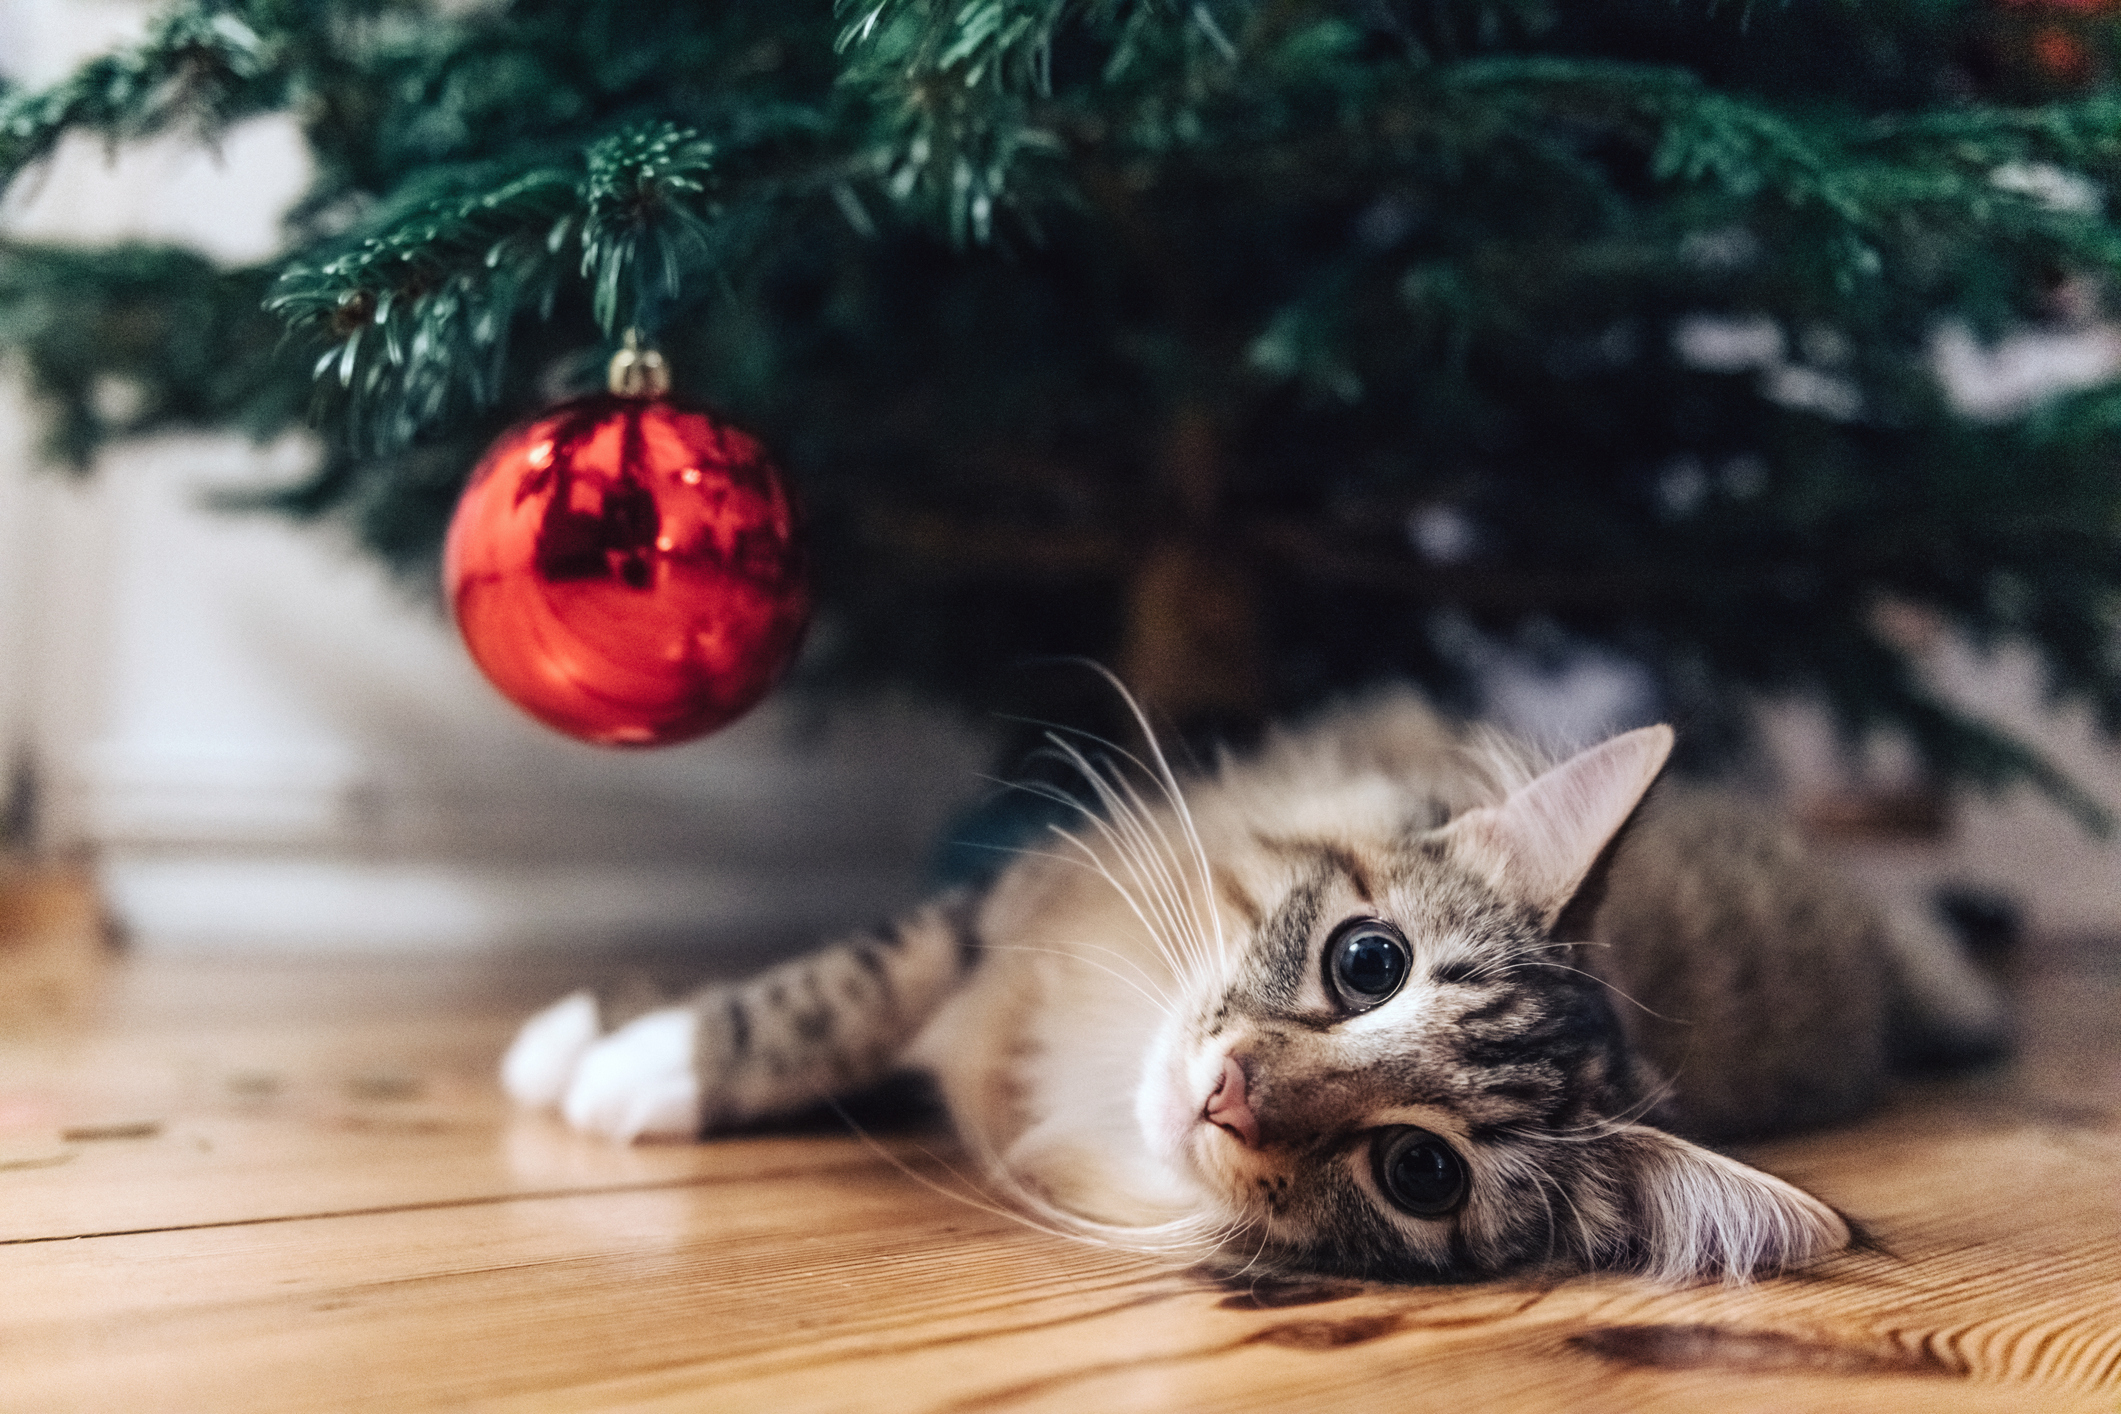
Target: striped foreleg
818 1026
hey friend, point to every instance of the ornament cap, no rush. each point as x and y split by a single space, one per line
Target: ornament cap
637 372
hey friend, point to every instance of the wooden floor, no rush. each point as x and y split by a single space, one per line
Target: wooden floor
248 1185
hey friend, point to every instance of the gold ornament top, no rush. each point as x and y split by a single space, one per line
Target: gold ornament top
636 372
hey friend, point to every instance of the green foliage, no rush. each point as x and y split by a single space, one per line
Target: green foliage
201 64
136 340
1024 289
422 309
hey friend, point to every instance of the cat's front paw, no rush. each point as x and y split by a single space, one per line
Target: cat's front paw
542 1059
641 1081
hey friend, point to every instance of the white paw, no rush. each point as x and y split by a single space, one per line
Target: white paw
543 1056
638 1082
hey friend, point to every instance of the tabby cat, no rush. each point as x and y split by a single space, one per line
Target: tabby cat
1392 998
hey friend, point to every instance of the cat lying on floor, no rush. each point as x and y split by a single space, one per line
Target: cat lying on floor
1390 998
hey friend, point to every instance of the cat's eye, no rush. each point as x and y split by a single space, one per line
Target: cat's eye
1419 1172
1366 960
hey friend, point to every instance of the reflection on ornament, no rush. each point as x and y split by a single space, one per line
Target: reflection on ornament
627 571
2062 56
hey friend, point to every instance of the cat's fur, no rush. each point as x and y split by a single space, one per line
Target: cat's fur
1142 1032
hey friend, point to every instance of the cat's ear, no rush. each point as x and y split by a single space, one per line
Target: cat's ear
1539 843
1682 1213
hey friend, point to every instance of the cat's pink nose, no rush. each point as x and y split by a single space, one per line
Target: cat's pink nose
1229 1109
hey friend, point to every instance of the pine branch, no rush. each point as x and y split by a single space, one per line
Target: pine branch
644 220
418 315
951 85
203 63
137 339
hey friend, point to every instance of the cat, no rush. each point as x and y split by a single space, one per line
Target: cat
1392 998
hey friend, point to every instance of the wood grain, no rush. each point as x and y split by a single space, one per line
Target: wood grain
262 1187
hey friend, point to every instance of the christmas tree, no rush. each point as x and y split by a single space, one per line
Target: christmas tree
1259 348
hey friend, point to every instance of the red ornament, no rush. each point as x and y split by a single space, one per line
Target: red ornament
626 571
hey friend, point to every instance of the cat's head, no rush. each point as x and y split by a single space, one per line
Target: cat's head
1402 1073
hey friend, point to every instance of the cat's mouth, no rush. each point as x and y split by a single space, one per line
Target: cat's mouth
1186 1095
1162 1109
1196 1108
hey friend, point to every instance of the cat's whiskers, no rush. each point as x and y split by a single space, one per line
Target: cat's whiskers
1628 1116
1026 1208
1600 1128
1145 910
1189 1238
1158 769
1578 1233
1193 1237
1167 781
1155 927
1516 966
1114 822
1088 860
1174 884
1199 930
1266 1238
1134 832
1149 989
1060 1224
1585 1232
1175 965
1541 1184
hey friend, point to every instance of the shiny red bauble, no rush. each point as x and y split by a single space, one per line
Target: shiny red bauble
627 571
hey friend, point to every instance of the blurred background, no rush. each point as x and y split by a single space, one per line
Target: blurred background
256 739
253 736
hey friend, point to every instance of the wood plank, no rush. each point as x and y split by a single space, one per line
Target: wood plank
229 1091
377 1231
799 1292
